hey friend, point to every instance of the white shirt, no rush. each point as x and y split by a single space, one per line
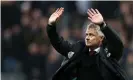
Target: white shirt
97 50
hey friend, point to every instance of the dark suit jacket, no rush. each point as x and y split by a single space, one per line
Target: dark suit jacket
107 59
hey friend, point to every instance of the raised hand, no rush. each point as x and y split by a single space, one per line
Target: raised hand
53 18
95 16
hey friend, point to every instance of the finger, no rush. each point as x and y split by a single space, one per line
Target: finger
90 18
94 12
61 8
90 12
97 11
57 10
61 11
55 13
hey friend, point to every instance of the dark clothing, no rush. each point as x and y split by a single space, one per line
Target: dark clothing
101 64
88 69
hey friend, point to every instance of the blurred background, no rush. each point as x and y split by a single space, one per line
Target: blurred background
26 53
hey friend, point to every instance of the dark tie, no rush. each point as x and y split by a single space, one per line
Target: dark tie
92 53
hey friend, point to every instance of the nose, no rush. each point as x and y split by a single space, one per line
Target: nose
87 38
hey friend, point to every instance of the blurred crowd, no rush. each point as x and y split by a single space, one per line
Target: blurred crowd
26 52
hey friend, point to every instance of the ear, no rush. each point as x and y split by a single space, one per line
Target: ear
101 38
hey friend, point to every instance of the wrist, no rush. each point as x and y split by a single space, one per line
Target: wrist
103 24
49 23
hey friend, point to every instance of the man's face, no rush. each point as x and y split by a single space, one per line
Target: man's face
92 38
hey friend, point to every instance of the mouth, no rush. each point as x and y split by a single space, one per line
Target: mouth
88 42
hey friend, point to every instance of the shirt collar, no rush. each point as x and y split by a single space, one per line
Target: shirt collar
97 50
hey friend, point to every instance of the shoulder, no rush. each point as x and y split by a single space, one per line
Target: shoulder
77 46
80 43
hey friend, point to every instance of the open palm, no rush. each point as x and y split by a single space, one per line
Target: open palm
95 16
53 18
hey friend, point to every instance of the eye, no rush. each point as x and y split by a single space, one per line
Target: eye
90 34
86 34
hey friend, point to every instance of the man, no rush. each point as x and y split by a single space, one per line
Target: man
93 59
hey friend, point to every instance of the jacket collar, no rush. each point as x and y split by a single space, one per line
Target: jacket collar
97 50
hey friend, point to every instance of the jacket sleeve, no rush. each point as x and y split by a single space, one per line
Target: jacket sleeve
114 43
62 46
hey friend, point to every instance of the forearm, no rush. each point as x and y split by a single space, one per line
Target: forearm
52 34
57 42
113 40
111 35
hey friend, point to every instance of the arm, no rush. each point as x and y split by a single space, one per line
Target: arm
114 43
58 42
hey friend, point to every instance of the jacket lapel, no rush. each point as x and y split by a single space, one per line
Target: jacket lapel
68 62
106 60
